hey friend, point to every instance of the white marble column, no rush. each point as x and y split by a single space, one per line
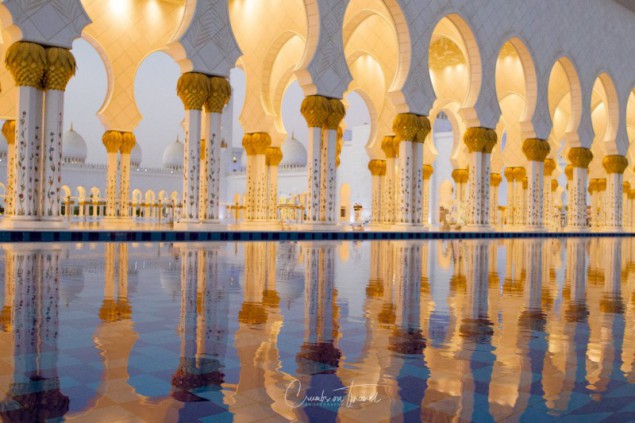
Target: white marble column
580 158
194 90
615 166
428 171
595 206
377 170
495 181
388 188
27 63
330 156
8 130
480 143
549 167
274 157
202 177
128 142
511 199
460 177
536 151
112 141
315 110
256 146
626 209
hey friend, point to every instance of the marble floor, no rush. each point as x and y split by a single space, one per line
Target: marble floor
359 331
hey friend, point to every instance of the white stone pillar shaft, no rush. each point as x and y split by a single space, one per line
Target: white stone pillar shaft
191 161
426 202
52 168
111 185
479 183
124 186
493 205
388 192
328 177
404 208
577 199
314 172
11 180
272 193
547 202
613 201
213 169
376 198
417 183
535 178
259 175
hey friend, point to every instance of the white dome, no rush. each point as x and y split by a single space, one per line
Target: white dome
74 148
136 156
173 155
293 153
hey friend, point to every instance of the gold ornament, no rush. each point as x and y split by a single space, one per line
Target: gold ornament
256 143
26 62
631 194
336 114
536 150
425 129
602 185
427 171
554 185
509 174
550 166
376 167
60 68
626 187
128 142
593 186
316 110
203 148
615 164
568 171
274 156
519 174
220 91
406 127
112 140
460 176
339 145
248 145
525 182
480 140
495 179
580 157
388 146
8 130
194 90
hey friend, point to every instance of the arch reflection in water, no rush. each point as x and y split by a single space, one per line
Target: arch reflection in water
469 330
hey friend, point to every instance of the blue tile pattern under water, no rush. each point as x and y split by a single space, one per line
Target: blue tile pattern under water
361 331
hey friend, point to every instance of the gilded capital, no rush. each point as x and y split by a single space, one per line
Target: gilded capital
128 142
26 62
460 176
626 187
8 130
316 110
194 90
593 186
424 130
112 140
509 174
480 140
338 146
602 185
536 150
273 156
568 171
615 164
376 167
336 114
389 147
554 185
631 194
60 68
406 127
495 179
220 91
580 157
428 170
550 166
525 182
519 174
256 143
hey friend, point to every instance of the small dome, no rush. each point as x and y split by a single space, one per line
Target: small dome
136 156
293 153
173 155
74 148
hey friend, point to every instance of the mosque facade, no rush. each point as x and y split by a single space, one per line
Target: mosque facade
510 114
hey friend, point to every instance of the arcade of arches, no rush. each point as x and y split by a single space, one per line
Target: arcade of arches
541 112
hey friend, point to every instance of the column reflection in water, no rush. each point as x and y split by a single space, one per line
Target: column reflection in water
34 394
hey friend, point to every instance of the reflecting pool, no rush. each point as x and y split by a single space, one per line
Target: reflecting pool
465 330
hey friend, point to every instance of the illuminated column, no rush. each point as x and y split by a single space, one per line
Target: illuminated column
8 130
519 176
316 110
511 196
388 202
602 204
580 158
202 180
220 94
330 154
27 62
128 142
494 182
615 167
112 141
377 170
550 166
536 151
428 170
631 200
256 146
60 68
460 177
595 207
411 131
626 205
274 157
194 90
555 216
480 143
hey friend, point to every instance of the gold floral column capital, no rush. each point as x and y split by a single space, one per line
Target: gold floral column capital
424 130
339 145
519 174
8 130
568 171
128 141
550 166
536 150
601 185
580 157
26 62
194 90
428 170
460 176
273 156
480 140
554 185
525 182
316 110
406 127
112 140
615 164
388 146
593 186
626 187
377 167
509 174
336 114
256 143
220 91
495 179
60 68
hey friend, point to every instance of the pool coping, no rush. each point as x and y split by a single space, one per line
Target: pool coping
203 236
